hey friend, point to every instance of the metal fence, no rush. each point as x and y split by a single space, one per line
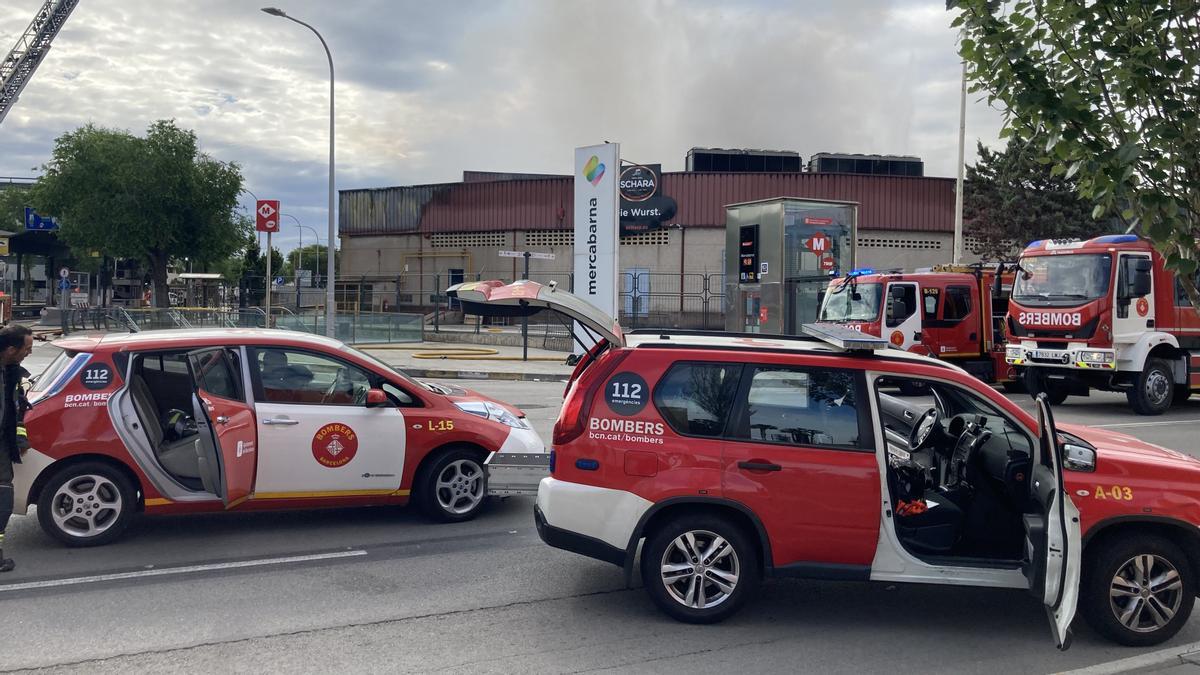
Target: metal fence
350 327
647 299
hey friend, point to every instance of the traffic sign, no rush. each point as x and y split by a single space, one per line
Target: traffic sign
266 215
278 281
63 284
818 243
531 254
64 272
827 263
33 221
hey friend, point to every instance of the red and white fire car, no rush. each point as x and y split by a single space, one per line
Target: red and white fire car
718 459
187 421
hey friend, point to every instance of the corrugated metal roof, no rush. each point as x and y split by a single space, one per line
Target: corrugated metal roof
886 202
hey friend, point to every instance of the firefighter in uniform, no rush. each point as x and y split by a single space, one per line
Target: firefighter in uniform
16 342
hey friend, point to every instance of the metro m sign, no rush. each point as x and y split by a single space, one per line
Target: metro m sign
266 215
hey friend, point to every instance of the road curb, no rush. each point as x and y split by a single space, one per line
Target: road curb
1145 663
430 374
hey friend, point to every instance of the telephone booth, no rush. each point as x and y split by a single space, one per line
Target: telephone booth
779 256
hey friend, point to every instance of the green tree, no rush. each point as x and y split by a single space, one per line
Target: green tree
314 259
1011 199
155 198
13 201
1111 89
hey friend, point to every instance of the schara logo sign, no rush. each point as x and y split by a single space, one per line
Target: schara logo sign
593 170
1050 319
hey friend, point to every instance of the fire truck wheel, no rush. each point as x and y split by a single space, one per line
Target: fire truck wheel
1153 390
1035 384
1013 387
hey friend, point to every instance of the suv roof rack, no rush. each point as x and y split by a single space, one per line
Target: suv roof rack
689 332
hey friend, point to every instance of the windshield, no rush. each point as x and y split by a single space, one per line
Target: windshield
852 301
386 366
1063 277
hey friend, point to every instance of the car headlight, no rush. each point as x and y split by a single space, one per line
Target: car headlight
1091 356
494 412
1012 352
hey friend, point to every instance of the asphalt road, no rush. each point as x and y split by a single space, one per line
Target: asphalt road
383 590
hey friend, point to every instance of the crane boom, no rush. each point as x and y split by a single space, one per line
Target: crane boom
18 67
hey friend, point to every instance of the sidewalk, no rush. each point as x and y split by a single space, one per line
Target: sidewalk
1180 660
442 360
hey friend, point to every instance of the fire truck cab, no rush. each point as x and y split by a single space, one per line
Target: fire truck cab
1103 314
948 312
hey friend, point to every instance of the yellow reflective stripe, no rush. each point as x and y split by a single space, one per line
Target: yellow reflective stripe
157 501
21 431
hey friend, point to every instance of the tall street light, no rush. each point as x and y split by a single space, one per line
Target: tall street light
300 251
330 303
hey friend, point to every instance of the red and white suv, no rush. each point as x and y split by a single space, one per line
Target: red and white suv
726 458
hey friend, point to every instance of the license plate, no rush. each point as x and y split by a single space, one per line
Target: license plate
1047 354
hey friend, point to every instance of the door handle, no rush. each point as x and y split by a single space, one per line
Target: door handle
221 419
280 421
759 466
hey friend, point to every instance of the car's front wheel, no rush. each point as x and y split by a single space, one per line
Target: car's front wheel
452 486
700 568
88 504
1137 590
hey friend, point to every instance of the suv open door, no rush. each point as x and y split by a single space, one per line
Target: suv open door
1052 536
221 403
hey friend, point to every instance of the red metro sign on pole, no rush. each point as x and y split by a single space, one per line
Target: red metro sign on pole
266 215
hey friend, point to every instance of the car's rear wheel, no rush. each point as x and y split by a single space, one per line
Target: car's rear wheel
452 486
700 568
88 504
1138 590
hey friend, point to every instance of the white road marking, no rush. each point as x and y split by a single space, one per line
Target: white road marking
165 571
1143 424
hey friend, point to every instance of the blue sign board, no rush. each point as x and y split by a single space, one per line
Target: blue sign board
63 284
278 281
33 221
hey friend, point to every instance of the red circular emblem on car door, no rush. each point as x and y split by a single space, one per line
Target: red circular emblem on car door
334 445
1143 307
897 338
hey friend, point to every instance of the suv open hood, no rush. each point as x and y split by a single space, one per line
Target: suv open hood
526 298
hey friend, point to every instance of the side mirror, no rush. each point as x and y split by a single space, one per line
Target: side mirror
1078 458
1141 280
376 397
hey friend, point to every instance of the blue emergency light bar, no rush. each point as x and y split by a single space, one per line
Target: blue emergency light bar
1116 239
860 272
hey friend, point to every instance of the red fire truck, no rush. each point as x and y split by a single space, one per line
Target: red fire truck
1103 314
950 312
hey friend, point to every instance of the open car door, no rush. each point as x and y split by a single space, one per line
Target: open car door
1052 536
526 298
229 468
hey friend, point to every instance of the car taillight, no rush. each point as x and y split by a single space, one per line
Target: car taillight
573 418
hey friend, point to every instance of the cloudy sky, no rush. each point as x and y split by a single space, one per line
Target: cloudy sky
428 89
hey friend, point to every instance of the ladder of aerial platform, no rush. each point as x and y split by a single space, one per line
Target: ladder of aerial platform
20 64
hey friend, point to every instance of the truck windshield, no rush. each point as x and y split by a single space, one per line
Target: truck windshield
852 301
1073 277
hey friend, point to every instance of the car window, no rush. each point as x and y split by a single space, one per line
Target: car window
799 406
958 303
930 296
695 398
895 313
174 363
216 375
293 376
398 395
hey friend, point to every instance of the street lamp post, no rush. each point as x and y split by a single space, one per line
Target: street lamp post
330 306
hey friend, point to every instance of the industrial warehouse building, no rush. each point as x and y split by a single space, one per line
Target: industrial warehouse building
405 242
